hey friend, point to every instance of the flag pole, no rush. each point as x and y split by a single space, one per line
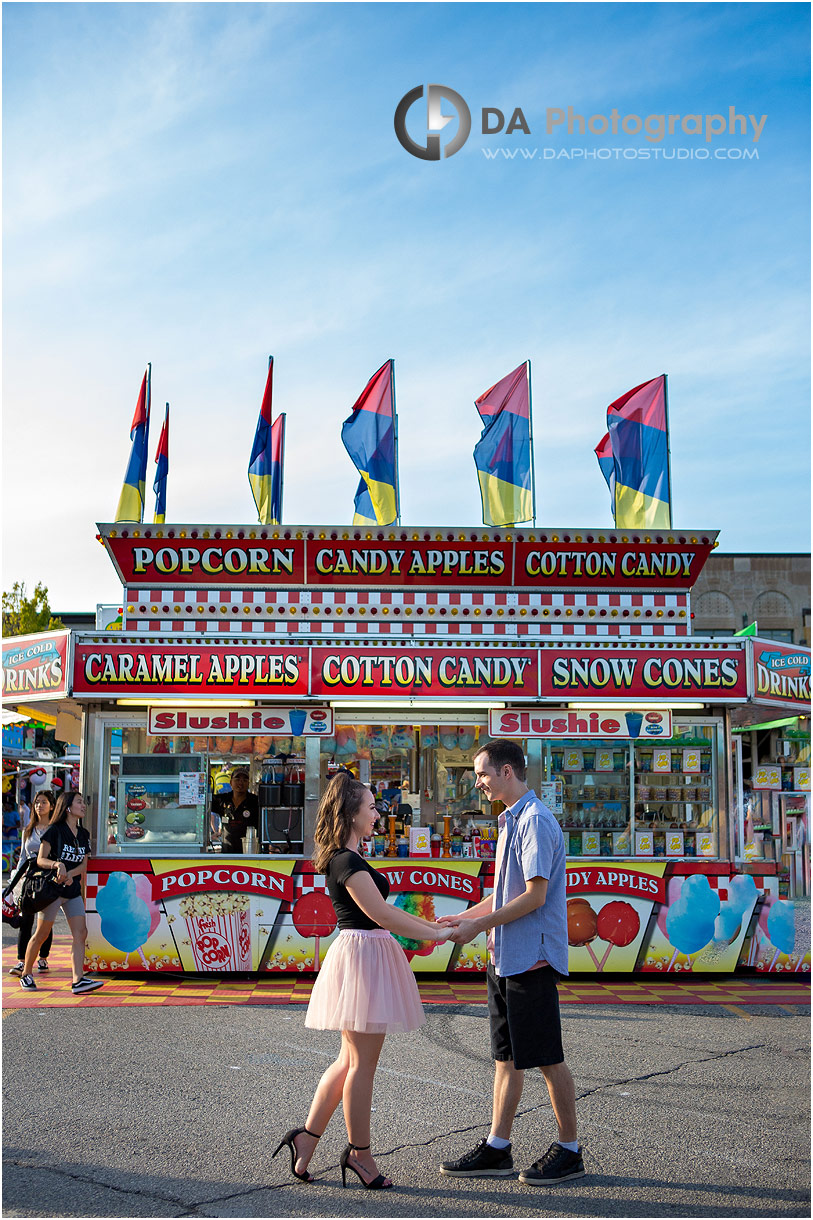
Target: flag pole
281 465
395 442
531 437
668 445
146 437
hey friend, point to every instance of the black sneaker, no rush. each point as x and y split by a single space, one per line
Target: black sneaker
85 984
17 970
557 1165
482 1162
27 983
42 964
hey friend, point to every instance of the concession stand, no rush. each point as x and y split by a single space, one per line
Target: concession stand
396 652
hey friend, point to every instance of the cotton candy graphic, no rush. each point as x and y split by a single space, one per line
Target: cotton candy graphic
144 891
742 895
690 921
781 926
126 918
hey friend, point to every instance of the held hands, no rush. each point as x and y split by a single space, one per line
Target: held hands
460 930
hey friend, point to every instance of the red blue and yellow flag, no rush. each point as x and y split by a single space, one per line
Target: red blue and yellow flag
503 454
370 437
131 500
266 462
159 484
638 477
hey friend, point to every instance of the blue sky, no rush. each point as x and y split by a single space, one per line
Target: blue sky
200 185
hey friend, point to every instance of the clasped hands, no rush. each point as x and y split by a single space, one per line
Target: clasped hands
458 930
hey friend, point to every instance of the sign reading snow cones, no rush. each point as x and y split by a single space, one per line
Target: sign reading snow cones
460 881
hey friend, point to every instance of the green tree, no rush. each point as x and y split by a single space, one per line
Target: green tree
23 614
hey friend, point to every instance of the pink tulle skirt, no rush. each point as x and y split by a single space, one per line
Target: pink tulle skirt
366 985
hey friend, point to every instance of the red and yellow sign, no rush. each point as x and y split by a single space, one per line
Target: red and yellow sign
780 674
132 666
710 673
194 878
243 556
462 881
36 666
139 667
494 671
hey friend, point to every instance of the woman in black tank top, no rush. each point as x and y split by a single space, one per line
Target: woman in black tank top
365 987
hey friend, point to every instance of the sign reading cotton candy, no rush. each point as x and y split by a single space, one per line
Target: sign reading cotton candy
690 920
126 918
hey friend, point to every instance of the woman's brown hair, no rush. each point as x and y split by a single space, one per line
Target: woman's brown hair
63 805
334 821
32 821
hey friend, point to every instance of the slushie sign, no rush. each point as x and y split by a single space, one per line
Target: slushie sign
610 723
269 722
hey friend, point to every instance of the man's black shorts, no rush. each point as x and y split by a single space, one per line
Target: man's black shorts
523 1011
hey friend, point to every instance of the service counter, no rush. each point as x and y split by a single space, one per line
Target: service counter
252 914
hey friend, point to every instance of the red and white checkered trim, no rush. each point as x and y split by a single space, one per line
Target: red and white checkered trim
404 613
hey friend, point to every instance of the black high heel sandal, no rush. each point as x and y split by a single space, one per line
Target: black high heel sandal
287 1141
378 1183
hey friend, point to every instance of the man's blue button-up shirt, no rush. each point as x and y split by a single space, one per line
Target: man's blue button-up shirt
530 844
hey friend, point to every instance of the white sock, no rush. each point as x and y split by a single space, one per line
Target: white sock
494 1141
571 1147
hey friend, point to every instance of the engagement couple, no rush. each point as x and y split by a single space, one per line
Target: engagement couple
366 987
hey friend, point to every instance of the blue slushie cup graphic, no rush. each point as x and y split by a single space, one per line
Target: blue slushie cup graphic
634 721
297 718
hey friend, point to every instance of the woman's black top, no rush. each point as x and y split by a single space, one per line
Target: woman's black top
340 869
70 848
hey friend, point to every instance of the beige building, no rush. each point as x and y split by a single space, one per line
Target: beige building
771 590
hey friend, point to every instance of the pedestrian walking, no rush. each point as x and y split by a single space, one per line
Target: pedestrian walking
64 849
526 918
42 807
365 987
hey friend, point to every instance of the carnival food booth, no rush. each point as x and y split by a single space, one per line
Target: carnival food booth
396 652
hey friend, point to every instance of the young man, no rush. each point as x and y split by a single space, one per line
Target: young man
526 917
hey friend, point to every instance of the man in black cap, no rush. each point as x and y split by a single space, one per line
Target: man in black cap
237 810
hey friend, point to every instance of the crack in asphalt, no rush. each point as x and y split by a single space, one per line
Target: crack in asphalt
246 1192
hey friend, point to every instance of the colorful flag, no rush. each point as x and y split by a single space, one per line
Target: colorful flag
604 453
277 463
370 437
131 500
639 441
503 454
159 485
265 464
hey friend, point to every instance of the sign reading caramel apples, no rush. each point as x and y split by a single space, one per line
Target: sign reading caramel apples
140 667
187 556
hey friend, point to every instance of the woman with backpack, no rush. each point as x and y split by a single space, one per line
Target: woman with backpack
42 807
64 850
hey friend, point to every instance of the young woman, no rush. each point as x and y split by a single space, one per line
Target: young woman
64 848
42 807
365 987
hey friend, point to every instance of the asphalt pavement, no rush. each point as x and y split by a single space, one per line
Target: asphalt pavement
684 1111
